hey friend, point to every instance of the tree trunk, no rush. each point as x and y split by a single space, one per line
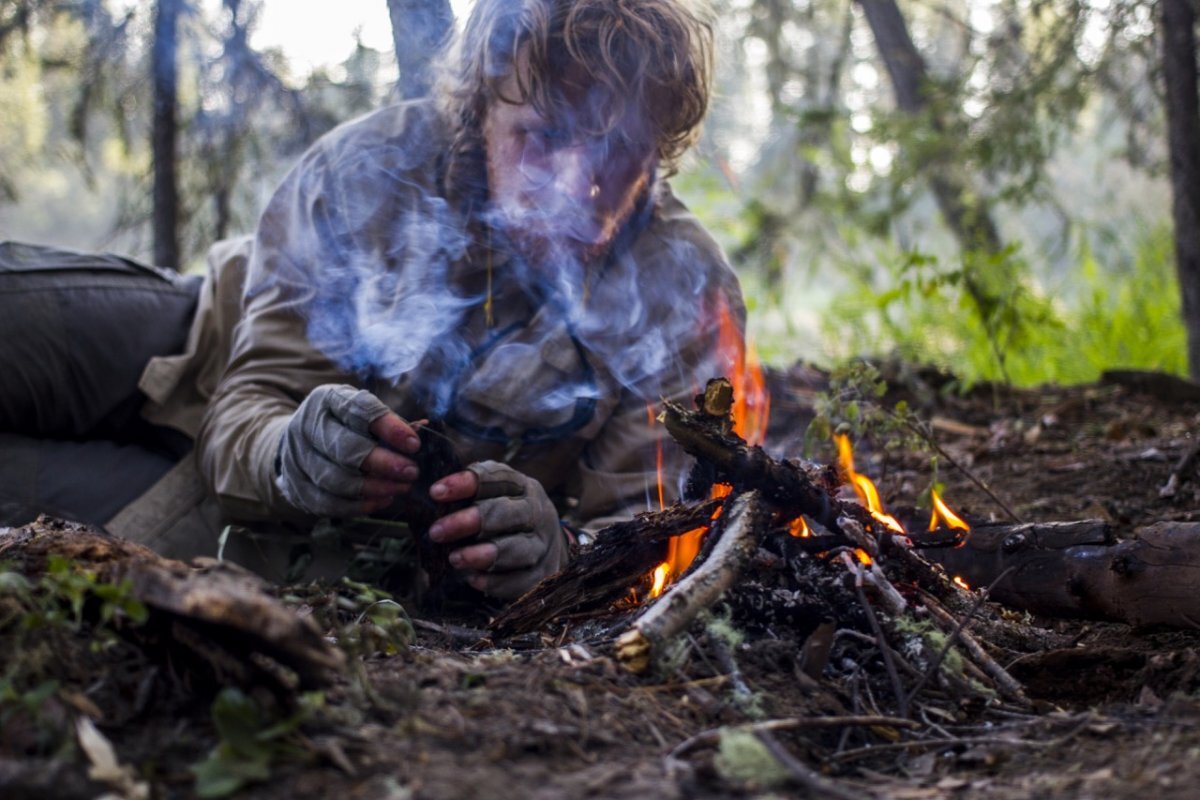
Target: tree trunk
964 212
165 133
419 29
1178 29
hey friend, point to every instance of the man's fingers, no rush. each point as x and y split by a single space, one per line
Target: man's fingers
378 504
388 465
374 488
498 480
504 585
459 486
475 558
395 433
461 524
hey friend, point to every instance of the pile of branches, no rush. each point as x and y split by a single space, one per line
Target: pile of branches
852 594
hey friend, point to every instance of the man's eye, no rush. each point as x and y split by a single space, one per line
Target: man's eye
552 136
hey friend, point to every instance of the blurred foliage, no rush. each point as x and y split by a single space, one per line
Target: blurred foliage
1044 121
76 104
1042 118
252 740
1105 315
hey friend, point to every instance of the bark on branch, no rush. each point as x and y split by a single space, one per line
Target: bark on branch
739 528
1079 569
604 572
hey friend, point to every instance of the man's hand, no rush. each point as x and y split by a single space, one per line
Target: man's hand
521 539
341 454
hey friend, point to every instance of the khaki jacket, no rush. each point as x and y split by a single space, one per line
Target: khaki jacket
367 268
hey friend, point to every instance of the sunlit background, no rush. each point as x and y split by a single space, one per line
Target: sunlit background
1049 112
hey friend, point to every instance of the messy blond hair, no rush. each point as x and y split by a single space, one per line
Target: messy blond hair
655 55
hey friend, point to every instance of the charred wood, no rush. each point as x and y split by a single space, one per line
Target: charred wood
739 528
1080 570
798 488
606 570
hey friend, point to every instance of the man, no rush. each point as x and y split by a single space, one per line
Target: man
506 260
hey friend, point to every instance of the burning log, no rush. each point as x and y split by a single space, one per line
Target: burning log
738 529
604 572
1080 570
804 489
215 623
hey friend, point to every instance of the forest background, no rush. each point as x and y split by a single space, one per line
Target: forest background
981 184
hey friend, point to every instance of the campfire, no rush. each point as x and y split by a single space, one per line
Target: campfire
808 553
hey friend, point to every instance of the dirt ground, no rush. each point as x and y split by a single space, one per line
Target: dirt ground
1116 712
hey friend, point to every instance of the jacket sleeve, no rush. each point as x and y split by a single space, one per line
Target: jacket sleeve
272 366
356 212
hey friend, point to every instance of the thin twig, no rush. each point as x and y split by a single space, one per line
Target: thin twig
713 735
956 633
382 523
801 773
888 663
1005 682
972 477
930 744
926 744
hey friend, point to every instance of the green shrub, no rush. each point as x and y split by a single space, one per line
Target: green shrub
989 319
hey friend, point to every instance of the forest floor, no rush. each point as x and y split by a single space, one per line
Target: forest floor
1116 711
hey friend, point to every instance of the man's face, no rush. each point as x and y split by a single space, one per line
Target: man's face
559 190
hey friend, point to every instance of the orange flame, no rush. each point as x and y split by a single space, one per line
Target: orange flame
863 486
943 514
799 528
961 583
751 410
863 557
661 573
658 458
739 361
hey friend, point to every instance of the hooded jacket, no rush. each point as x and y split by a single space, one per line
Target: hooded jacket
370 267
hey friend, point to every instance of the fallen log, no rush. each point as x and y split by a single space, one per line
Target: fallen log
213 624
1081 570
801 488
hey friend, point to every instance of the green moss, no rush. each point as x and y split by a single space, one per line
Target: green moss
742 758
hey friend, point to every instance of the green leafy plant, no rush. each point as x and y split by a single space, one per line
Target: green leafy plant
988 319
375 623
853 406
43 619
251 742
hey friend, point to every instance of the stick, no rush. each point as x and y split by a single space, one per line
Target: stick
785 484
637 648
605 571
801 773
971 476
1177 475
885 649
713 735
953 637
1009 686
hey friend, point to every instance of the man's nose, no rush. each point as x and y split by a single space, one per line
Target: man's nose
577 173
